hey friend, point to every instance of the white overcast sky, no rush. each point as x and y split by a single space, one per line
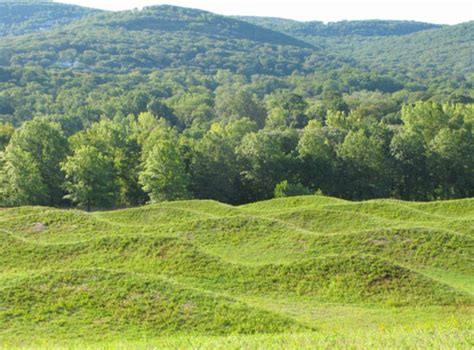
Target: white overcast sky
441 11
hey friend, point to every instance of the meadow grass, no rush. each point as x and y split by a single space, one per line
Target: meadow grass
303 273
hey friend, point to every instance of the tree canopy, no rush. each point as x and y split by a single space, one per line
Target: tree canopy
102 109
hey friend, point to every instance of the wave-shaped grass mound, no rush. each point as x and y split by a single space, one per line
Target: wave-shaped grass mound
202 267
100 302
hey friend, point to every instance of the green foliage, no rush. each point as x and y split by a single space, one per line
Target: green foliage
427 155
248 106
164 175
6 132
316 156
239 105
91 180
20 17
117 140
408 149
32 163
22 182
340 29
364 165
266 160
285 189
214 169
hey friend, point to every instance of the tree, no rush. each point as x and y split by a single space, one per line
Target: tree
288 111
116 140
33 158
240 104
267 158
164 175
414 181
91 180
451 160
160 110
363 167
214 166
426 118
317 157
6 132
193 108
21 180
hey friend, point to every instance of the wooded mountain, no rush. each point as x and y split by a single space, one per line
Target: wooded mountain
157 38
366 28
387 45
118 108
172 37
18 18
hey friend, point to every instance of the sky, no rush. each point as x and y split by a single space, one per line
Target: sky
433 11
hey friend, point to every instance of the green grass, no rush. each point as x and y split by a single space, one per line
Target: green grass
301 272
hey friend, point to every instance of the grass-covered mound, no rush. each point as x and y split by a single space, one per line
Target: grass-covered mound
201 268
106 303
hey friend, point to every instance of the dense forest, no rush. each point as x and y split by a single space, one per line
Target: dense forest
32 16
103 109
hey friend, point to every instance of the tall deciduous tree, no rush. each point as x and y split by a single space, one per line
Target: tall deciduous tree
451 160
363 168
240 104
21 180
6 132
164 175
214 167
408 150
267 159
317 157
91 180
32 161
115 139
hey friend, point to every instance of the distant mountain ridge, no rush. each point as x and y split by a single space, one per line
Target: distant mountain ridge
157 38
22 17
366 28
170 37
177 19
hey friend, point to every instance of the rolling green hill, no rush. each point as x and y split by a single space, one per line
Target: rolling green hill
164 37
294 272
50 50
366 28
114 109
430 51
22 17
397 46
159 37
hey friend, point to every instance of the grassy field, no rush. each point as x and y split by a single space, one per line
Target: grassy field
302 272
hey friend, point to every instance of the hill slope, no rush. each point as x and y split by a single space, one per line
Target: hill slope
162 37
367 28
447 49
201 267
157 38
397 46
18 17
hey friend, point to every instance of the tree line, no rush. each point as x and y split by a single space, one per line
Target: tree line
259 150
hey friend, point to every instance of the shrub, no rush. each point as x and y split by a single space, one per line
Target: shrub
286 189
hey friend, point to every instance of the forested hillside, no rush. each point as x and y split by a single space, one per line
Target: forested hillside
122 108
404 47
33 16
158 38
367 28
